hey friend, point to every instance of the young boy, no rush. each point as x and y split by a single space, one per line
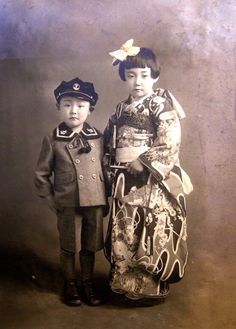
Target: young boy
69 176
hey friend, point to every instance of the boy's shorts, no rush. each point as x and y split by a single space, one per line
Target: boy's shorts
80 227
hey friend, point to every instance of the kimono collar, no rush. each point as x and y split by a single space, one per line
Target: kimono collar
64 133
132 101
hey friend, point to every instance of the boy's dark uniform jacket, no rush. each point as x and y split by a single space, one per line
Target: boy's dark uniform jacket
70 167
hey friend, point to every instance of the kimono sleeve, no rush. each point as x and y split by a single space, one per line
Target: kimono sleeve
44 169
163 155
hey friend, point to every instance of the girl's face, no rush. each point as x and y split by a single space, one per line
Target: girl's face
139 82
74 112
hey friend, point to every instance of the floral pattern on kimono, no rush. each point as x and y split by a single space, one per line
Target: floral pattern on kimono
146 239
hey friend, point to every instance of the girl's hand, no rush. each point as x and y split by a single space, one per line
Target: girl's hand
135 167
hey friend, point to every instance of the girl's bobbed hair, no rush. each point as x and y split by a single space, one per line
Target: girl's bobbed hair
145 58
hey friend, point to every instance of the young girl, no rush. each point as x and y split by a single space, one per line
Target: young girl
146 239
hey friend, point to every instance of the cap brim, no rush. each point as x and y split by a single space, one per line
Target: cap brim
77 94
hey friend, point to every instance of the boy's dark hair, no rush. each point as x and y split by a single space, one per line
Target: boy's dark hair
145 58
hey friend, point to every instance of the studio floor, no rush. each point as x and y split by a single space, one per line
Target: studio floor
31 288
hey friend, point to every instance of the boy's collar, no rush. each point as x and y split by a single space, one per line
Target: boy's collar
64 133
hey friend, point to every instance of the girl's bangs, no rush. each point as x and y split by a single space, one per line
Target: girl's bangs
137 62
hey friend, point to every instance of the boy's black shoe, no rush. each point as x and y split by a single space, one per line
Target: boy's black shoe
90 296
71 295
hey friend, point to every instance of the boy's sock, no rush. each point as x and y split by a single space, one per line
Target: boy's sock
67 260
87 260
71 295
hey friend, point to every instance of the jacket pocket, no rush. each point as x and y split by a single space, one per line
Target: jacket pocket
64 178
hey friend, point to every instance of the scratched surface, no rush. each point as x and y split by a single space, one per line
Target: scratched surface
42 43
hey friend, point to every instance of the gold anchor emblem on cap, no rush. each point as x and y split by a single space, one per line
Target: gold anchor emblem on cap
76 86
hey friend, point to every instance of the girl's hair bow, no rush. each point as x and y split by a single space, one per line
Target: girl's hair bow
127 49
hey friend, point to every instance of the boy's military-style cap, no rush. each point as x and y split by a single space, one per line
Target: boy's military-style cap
76 88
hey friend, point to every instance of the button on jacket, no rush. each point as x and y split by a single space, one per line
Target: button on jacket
70 167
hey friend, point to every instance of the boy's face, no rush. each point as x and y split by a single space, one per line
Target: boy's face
139 82
74 111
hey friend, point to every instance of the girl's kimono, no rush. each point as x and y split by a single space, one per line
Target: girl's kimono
146 239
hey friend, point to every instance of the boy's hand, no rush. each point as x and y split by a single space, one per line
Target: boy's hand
135 167
51 203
